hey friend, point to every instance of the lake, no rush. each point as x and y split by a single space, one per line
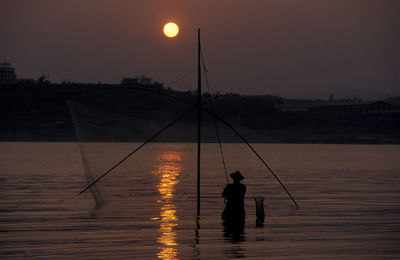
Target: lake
349 198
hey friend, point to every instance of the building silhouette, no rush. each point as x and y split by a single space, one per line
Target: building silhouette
7 73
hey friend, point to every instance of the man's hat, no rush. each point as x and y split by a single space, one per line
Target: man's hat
237 175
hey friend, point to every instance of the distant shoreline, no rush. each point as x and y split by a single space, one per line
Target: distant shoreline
133 113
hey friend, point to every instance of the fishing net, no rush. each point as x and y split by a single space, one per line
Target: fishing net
111 123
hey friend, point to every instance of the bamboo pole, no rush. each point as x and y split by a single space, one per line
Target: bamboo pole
198 119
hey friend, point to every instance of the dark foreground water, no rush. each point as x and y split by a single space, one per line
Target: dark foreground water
349 197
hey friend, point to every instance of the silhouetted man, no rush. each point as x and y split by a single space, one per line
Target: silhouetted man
234 196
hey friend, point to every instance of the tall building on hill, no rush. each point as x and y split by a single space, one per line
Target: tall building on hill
7 73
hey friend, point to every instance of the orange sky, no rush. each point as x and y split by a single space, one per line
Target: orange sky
285 47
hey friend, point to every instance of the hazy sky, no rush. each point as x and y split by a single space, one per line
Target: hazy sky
293 48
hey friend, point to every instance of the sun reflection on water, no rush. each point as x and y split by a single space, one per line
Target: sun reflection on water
168 170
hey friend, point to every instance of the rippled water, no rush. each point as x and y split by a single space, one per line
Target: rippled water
349 197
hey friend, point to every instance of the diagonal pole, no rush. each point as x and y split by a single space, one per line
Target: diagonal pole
158 133
251 148
137 149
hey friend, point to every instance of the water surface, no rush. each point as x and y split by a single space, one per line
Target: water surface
349 197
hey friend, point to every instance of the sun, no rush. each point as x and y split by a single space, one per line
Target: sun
171 29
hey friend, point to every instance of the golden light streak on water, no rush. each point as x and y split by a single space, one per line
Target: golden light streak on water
168 170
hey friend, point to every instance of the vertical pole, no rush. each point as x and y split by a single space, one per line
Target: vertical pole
198 119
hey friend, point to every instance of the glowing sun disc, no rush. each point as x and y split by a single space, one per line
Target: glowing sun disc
171 30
